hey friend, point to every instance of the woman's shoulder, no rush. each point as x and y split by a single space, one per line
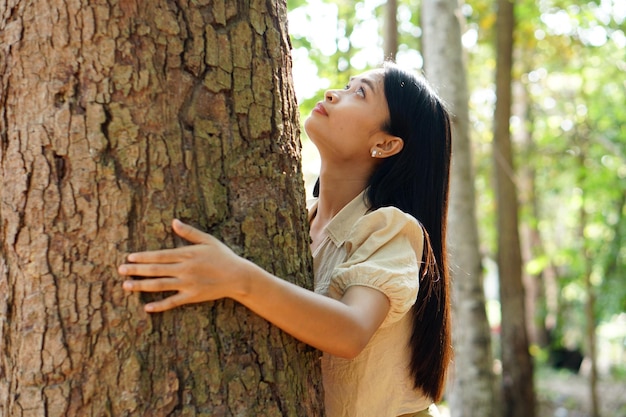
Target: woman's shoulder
383 251
385 224
388 217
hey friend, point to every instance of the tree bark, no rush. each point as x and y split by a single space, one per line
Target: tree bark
116 117
517 368
472 391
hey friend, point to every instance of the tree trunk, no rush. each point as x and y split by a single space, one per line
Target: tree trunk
116 117
590 319
517 368
472 392
390 37
530 236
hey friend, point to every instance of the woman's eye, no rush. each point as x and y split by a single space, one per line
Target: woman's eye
360 91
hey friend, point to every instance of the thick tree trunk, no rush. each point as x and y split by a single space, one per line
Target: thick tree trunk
116 117
472 391
517 369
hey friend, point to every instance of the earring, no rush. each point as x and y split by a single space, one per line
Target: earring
374 153
380 153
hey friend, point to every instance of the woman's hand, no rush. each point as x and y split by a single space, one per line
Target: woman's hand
207 270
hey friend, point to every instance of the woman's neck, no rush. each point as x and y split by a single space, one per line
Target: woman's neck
333 196
335 192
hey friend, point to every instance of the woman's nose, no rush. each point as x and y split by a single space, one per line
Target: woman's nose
331 96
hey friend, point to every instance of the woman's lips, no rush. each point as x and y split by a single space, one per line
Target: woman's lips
319 108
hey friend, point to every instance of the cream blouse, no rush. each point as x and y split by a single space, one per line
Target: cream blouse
381 249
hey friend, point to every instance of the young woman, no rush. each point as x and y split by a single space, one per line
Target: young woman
381 309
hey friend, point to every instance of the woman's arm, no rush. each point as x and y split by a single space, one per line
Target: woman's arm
209 270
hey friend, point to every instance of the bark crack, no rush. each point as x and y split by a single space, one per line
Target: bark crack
4 136
21 213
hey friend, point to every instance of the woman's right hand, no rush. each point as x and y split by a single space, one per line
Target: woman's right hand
204 271
209 270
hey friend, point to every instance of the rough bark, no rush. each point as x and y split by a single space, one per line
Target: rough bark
472 390
517 368
115 117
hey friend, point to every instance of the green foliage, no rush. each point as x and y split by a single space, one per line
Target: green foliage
349 55
570 61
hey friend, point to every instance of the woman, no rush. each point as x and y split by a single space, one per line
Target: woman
380 310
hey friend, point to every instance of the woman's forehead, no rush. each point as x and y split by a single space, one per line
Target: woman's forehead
374 79
374 75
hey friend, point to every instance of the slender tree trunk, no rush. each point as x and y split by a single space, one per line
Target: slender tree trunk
590 322
531 242
590 332
517 368
390 38
116 117
472 391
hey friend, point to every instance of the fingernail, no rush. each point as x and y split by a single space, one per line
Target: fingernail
128 285
122 270
149 307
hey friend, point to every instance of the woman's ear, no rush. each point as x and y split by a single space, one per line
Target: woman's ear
387 145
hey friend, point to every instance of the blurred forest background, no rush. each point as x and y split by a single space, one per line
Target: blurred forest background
568 134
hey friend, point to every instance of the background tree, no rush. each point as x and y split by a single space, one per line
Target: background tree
115 118
390 38
573 117
590 325
568 78
517 367
473 382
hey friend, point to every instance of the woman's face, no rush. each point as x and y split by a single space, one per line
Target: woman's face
347 125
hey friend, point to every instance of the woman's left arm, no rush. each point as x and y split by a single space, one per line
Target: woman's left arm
209 270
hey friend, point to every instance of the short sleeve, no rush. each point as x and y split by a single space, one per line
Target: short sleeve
383 251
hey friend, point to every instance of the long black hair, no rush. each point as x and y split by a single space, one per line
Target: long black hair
416 180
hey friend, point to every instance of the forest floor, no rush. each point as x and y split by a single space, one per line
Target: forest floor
564 394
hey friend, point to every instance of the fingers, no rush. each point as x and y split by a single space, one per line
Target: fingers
179 269
159 285
153 285
166 304
148 269
165 256
190 233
